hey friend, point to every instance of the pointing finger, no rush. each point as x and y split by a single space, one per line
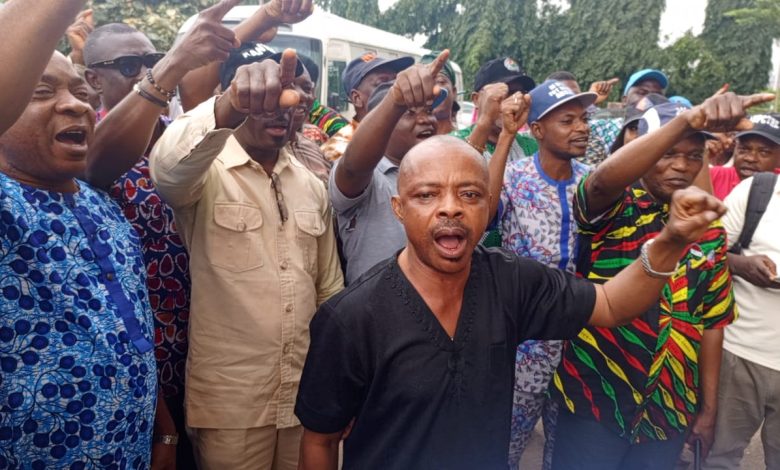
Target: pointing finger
216 12
289 65
438 63
612 81
758 98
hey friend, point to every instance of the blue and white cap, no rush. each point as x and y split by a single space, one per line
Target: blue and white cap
552 94
657 116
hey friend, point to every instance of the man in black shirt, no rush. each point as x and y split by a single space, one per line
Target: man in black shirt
418 353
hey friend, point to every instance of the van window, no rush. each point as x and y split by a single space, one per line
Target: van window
309 47
337 97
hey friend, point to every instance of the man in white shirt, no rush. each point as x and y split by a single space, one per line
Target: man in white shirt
749 394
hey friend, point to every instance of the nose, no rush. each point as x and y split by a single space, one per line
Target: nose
70 104
680 164
450 206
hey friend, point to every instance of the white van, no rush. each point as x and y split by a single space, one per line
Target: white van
332 41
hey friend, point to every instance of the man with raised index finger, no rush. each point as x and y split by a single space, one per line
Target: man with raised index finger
419 352
630 396
257 225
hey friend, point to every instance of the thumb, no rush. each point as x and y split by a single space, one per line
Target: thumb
289 65
722 89
216 12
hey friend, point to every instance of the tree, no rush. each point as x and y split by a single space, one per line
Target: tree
362 11
691 68
764 15
746 54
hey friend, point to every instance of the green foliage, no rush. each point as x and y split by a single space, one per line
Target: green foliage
362 11
691 68
764 16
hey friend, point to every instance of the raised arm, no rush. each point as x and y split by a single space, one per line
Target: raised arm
608 181
123 136
490 99
32 28
633 291
199 84
514 114
414 87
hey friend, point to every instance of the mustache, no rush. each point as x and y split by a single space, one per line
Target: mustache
450 225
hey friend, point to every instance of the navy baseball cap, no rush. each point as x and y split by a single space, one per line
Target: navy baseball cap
552 94
764 125
249 53
358 68
503 70
659 115
646 74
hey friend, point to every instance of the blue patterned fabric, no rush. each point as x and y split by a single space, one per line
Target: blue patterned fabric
78 385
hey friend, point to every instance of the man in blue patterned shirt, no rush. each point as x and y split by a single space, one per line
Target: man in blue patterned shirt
536 221
78 382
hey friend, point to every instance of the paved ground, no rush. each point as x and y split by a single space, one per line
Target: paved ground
532 458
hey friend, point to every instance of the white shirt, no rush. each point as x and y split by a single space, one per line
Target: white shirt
755 336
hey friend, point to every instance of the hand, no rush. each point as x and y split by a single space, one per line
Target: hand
758 270
514 112
163 457
288 11
602 89
416 86
489 105
264 87
725 111
703 430
691 213
77 35
207 41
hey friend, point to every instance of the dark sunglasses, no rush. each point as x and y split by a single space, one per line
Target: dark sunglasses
130 65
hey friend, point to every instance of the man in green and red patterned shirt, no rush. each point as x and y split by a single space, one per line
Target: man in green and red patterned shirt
630 396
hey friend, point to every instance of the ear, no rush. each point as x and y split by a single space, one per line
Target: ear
93 80
395 201
475 98
356 99
537 130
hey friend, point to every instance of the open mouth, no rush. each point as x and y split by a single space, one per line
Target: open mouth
450 241
749 171
580 141
425 134
72 136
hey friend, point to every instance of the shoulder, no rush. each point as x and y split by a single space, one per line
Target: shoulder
352 304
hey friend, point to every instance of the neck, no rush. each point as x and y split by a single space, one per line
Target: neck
266 157
428 280
61 186
555 166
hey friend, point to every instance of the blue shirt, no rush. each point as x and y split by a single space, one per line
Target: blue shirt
78 385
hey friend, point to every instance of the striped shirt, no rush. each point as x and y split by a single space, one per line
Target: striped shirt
642 380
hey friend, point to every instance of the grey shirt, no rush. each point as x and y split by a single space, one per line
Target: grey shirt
368 228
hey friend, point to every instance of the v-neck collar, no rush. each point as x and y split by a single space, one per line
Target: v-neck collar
424 316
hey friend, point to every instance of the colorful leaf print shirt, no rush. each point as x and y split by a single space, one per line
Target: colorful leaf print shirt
78 385
642 380
167 267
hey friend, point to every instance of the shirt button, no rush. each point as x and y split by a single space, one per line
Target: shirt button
288 308
287 348
283 265
241 226
110 277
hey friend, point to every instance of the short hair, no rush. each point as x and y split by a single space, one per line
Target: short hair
562 75
99 34
311 67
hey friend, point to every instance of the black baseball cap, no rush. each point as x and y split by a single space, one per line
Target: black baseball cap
764 125
503 70
249 53
634 113
358 68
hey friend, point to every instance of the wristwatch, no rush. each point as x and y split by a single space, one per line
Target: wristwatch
645 259
167 439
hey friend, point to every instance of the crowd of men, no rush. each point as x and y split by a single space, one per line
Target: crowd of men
264 283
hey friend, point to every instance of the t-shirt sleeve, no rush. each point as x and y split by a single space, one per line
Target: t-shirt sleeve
550 304
333 382
720 308
342 203
590 225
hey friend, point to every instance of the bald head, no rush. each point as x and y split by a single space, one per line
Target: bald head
439 150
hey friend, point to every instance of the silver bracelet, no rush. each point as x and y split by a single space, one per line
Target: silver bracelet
645 257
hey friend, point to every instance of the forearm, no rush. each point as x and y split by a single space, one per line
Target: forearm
703 180
632 292
710 356
480 134
319 451
630 163
35 27
367 148
123 136
163 421
496 169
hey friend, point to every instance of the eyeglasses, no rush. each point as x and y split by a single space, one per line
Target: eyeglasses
276 184
130 65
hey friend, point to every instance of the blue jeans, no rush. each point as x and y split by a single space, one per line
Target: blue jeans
585 444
